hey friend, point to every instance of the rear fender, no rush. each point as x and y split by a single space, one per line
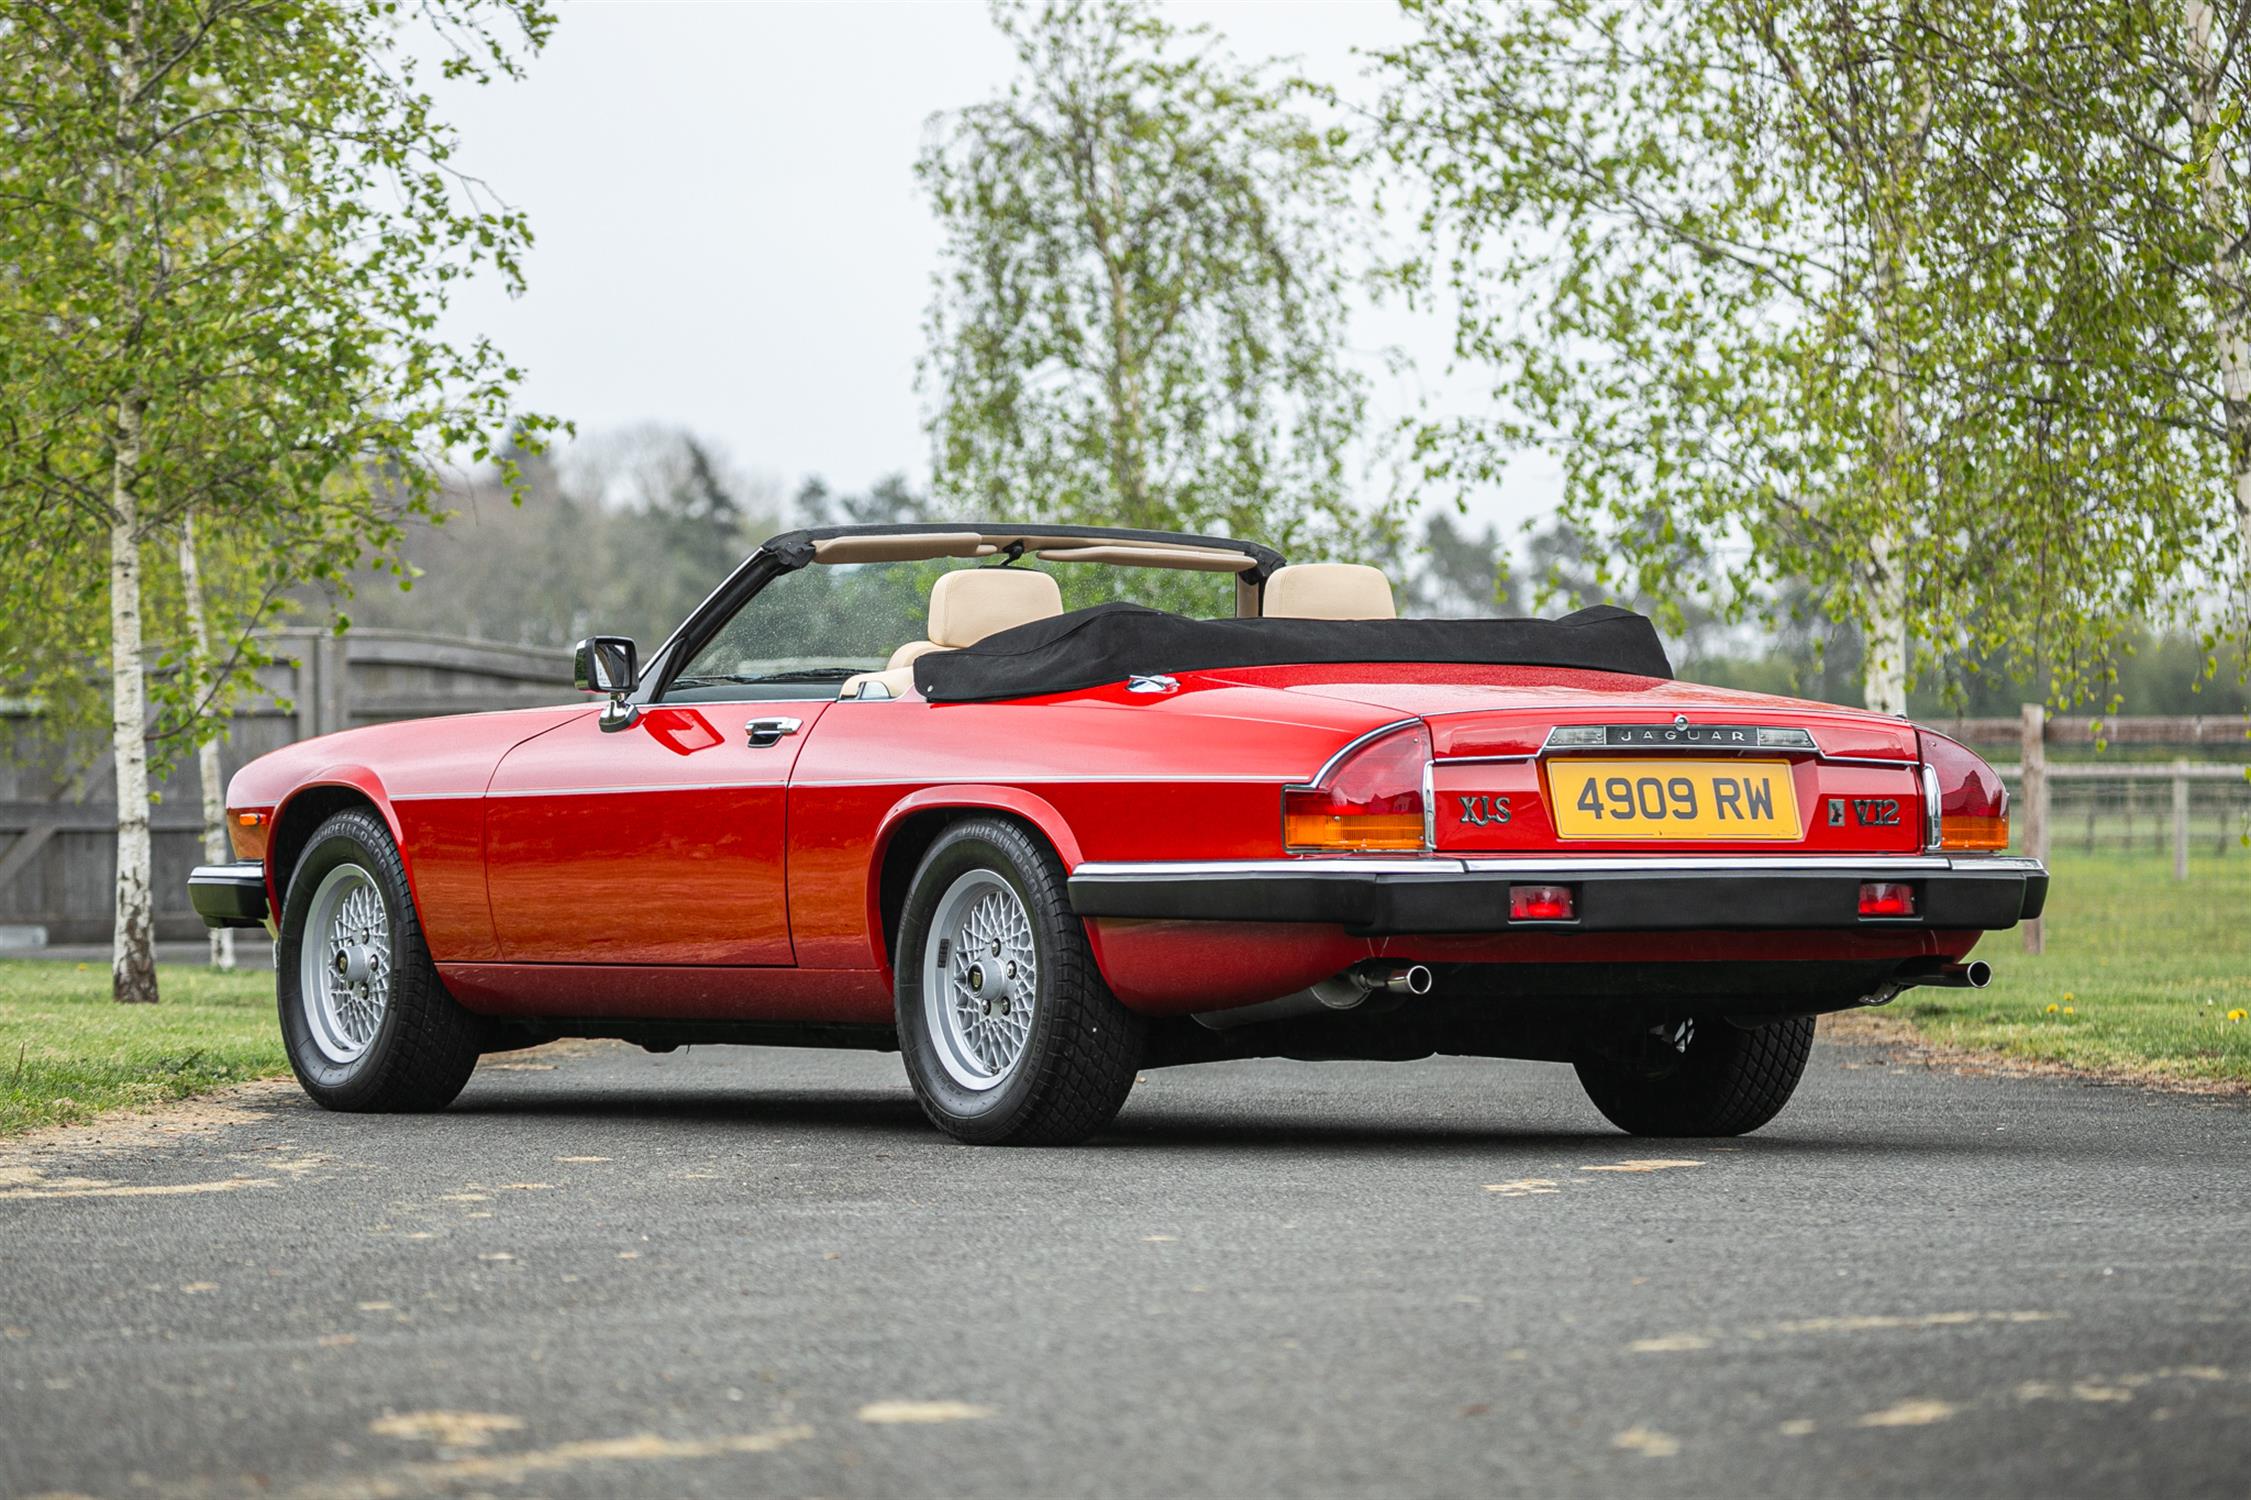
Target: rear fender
1037 811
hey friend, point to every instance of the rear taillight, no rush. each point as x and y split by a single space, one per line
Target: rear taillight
1887 898
1541 903
247 828
1966 807
1370 799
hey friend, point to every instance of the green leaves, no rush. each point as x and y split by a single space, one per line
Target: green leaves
243 218
1141 313
1884 306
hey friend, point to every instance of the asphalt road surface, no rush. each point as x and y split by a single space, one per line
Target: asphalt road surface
732 1272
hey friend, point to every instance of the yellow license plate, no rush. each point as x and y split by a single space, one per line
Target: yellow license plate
1673 799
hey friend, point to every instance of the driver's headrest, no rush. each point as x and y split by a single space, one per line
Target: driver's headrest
1329 591
971 603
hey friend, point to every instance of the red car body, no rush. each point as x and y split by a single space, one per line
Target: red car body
671 880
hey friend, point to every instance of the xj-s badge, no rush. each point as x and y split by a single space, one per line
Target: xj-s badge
1483 810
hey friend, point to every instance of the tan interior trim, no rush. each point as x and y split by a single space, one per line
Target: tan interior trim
911 547
1152 555
920 545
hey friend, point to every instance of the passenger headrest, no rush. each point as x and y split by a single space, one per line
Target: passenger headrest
906 654
1329 591
971 603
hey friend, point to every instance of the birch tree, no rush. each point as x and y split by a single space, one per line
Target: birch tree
1140 315
2217 55
227 231
1801 295
210 788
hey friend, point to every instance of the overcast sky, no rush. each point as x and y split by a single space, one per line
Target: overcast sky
730 238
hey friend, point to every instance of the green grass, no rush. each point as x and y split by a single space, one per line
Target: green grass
2140 975
68 1052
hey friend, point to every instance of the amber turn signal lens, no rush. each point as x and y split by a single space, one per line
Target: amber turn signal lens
1324 828
246 831
1967 831
1370 801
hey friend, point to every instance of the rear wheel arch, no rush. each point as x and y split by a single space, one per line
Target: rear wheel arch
909 829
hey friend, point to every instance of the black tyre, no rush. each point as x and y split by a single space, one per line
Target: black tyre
367 1023
1728 1081
1009 1034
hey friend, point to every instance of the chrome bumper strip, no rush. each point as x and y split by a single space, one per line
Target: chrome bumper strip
1351 867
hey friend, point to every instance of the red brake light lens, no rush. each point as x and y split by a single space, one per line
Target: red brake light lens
1887 898
1973 806
1541 903
1371 800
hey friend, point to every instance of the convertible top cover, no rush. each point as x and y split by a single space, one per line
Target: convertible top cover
1111 642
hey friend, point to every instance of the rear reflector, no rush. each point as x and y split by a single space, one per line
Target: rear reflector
1541 903
1887 898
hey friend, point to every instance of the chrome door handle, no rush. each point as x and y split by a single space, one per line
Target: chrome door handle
770 731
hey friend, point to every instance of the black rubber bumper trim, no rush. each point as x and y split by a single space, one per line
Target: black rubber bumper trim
229 895
1626 901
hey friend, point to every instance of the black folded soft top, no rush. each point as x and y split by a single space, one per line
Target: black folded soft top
1111 642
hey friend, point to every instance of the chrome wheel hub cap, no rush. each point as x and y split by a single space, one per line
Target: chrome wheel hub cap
980 980
344 963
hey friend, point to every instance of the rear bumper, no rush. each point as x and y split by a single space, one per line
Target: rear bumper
1620 893
229 895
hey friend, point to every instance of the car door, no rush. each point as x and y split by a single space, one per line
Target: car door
661 842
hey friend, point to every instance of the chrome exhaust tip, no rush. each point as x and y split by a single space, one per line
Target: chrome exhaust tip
1414 979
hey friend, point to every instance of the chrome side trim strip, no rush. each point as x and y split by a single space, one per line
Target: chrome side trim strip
1933 834
1226 869
1780 864
1337 759
1348 867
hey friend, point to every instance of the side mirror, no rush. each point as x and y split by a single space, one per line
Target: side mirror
606 664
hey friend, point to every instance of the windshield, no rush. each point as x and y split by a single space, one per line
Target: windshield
806 632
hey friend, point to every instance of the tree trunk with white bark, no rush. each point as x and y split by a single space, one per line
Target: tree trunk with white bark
2230 224
133 940
215 844
133 945
1883 677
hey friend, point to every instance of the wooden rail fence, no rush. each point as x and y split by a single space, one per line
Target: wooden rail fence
58 858
2035 776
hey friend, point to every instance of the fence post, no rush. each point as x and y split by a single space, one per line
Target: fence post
304 683
2180 820
335 682
2034 785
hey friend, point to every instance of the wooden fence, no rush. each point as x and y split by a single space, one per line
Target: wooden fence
58 864
2040 782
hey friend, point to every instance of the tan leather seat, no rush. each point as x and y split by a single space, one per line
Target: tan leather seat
966 605
906 654
969 604
1329 591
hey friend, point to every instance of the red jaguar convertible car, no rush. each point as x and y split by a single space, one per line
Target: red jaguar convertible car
1043 806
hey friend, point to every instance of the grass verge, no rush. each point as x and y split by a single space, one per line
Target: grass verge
68 1052
2143 977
